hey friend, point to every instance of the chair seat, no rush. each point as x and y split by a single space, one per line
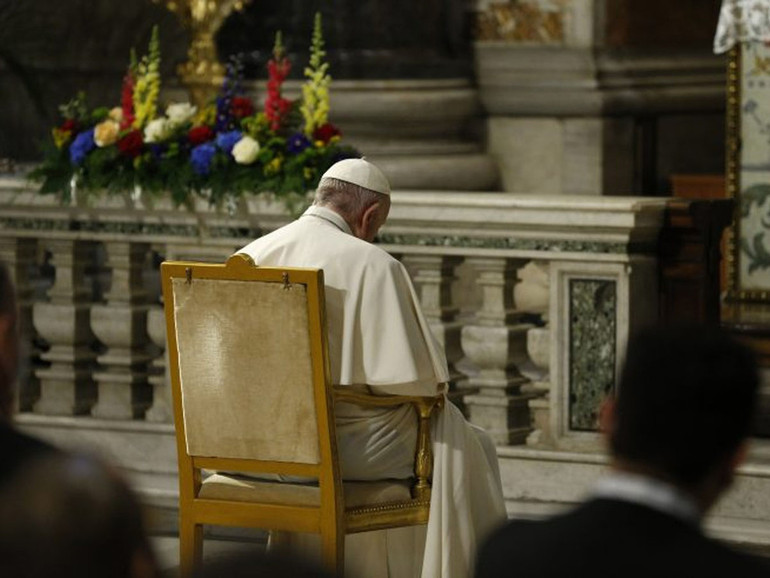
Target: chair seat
357 494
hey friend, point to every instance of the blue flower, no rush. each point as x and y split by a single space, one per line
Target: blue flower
158 150
201 157
226 140
297 143
81 146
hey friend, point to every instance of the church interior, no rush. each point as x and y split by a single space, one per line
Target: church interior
563 173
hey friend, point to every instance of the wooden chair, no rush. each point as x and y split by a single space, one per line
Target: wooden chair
251 387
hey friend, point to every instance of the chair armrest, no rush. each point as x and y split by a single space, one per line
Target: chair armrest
424 406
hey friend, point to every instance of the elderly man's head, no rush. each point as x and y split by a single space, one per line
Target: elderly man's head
9 343
359 192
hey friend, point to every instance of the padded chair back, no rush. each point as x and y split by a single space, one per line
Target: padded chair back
249 360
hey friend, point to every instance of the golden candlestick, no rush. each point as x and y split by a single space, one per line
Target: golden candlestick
202 74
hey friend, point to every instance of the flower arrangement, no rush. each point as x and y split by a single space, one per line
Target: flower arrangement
220 152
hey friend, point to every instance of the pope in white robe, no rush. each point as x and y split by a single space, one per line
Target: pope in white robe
378 337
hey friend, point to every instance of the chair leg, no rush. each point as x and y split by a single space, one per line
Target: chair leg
333 553
190 547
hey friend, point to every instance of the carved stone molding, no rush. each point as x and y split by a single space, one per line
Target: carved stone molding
515 21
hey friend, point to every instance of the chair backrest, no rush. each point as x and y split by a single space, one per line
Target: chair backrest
249 366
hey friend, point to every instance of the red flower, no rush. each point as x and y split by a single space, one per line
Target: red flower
69 125
131 144
277 107
326 132
127 101
200 134
241 107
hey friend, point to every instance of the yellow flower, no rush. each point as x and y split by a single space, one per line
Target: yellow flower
106 133
206 116
274 166
60 137
319 144
308 173
315 90
147 87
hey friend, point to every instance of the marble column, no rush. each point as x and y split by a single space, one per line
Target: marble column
121 325
496 343
433 276
67 386
20 256
581 99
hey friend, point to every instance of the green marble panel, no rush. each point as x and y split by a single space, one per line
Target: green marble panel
592 327
507 243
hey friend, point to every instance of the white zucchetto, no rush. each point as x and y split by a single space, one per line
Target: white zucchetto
359 172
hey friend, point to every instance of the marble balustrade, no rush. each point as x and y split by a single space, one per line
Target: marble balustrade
531 297
498 275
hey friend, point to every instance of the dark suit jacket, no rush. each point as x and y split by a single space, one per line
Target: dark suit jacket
605 537
16 449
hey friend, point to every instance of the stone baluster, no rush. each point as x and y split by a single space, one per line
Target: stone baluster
532 294
495 342
121 325
161 394
539 351
67 386
433 276
20 256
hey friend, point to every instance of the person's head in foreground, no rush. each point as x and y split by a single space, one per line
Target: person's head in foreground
359 192
683 409
9 344
69 516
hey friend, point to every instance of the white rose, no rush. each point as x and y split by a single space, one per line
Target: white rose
157 130
180 113
245 151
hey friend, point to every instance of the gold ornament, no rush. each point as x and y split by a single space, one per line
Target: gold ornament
202 74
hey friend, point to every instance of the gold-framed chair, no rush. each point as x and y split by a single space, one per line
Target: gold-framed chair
251 388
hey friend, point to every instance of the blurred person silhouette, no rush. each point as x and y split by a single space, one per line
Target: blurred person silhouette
69 515
17 446
677 429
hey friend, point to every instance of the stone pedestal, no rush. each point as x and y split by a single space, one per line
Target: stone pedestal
576 119
67 386
420 132
121 325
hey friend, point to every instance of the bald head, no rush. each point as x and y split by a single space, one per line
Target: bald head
9 343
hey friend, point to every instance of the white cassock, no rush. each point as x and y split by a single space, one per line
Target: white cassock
378 336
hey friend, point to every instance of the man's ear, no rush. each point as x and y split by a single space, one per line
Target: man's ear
608 416
739 455
369 221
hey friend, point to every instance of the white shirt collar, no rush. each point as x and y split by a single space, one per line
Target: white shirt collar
648 492
328 215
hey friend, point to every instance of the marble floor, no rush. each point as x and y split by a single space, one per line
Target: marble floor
167 551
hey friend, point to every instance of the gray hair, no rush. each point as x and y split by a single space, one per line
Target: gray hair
348 199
